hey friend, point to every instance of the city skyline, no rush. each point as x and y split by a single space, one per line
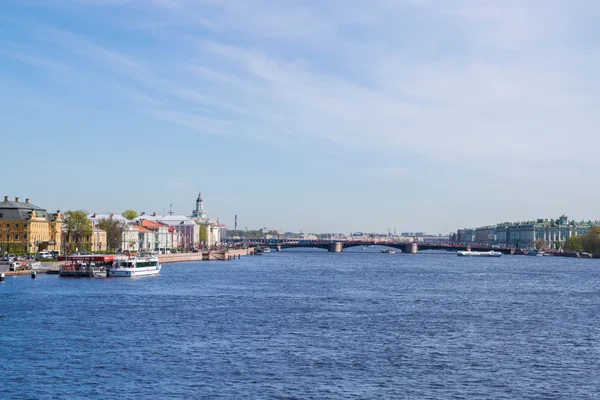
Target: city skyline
334 117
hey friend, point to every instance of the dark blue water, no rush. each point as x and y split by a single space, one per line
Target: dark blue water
309 325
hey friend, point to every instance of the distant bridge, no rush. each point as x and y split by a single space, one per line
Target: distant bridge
338 246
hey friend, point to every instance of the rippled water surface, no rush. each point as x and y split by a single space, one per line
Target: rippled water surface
309 325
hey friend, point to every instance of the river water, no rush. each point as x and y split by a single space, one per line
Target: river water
309 325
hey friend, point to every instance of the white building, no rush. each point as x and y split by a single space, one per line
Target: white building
184 232
130 235
212 227
156 236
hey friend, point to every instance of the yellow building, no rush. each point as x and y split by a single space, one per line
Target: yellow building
95 242
27 228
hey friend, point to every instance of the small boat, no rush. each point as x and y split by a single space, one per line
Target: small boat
266 249
135 266
536 253
388 251
469 253
258 251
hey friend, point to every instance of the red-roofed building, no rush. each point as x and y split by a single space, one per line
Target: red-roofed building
156 236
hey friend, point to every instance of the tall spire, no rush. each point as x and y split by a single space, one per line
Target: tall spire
199 211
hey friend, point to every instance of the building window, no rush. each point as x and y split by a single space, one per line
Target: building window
16 236
24 236
16 225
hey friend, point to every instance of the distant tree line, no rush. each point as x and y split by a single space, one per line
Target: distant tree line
250 234
589 242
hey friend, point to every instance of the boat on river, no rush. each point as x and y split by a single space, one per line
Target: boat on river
536 253
85 266
135 266
388 251
469 253
266 249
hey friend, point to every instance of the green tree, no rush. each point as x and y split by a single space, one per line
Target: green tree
591 241
114 232
77 224
130 214
203 234
573 243
539 244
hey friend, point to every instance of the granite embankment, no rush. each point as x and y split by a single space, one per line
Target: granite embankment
222 255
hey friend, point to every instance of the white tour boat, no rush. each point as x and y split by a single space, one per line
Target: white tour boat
490 253
135 266
266 249
388 251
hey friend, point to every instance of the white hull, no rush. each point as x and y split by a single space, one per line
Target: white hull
479 253
131 272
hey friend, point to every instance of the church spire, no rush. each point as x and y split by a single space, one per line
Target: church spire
199 211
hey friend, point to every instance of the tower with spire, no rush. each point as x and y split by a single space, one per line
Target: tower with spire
199 211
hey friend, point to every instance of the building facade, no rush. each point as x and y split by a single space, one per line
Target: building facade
155 236
95 241
209 232
129 237
527 234
27 228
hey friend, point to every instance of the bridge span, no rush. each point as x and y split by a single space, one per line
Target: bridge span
337 246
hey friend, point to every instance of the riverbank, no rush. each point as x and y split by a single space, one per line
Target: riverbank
222 255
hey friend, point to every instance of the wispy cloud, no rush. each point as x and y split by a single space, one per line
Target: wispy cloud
447 80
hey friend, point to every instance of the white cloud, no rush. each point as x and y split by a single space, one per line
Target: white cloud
461 82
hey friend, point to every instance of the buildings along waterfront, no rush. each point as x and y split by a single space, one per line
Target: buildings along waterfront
553 232
28 228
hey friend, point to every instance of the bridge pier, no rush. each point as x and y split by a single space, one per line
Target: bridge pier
336 247
411 248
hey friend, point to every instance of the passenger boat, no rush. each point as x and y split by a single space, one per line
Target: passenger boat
388 251
135 266
266 249
469 253
85 266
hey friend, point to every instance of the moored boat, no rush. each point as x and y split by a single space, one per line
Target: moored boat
266 249
84 266
469 253
135 266
536 253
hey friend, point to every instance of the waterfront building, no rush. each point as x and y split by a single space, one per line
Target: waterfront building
198 212
527 233
129 236
155 236
96 241
95 218
27 228
185 233
209 229
465 235
485 234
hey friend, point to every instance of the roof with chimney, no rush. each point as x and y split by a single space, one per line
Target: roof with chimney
11 210
146 223
116 217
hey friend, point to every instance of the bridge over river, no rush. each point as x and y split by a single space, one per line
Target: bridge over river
338 246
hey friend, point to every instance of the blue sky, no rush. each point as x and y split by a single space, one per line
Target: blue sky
329 116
